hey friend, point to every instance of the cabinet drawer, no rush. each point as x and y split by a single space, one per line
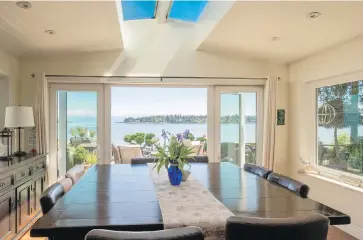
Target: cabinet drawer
38 167
6 182
23 173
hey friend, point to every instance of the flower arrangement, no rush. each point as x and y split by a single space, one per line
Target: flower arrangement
173 155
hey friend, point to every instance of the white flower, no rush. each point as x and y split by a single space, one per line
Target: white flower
187 143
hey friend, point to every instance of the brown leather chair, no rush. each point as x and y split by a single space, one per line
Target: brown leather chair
75 173
309 227
186 233
50 196
260 171
297 187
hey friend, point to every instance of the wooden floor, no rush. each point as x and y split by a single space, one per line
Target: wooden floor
334 234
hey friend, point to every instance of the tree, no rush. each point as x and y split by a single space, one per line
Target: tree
128 138
148 139
92 133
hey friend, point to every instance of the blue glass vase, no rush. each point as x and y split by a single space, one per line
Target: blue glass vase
175 175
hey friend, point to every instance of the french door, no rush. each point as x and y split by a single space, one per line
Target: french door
238 124
76 125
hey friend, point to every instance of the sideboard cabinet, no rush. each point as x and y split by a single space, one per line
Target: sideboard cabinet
22 181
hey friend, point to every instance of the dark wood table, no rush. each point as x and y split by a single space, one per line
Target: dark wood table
122 197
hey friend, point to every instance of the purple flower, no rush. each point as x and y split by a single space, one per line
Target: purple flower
186 134
165 134
179 137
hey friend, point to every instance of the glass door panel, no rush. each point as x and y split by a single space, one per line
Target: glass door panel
77 119
238 120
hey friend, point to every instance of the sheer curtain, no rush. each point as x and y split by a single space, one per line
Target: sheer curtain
41 113
270 97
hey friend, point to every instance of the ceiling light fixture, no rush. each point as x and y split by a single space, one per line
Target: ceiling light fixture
274 39
24 4
50 32
313 15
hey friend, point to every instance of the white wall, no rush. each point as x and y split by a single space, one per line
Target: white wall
10 69
340 60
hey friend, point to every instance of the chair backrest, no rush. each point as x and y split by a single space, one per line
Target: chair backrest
75 173
116 154
260 171
50 196
128 152
186 233
145 160
309 227
299 188
66 184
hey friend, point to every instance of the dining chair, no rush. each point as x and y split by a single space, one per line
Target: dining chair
75 173
116 154
260 171
50 196
308 227
297 187
185 233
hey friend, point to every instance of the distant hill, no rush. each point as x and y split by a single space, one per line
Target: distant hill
185 119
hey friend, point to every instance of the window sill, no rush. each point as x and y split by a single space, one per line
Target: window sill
335 182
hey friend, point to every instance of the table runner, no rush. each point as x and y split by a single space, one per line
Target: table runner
189 204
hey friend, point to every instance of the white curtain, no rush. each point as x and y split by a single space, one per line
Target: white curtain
269 125
41 113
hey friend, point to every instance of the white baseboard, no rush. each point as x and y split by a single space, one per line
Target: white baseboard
352 230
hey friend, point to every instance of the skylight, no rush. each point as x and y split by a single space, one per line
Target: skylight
188 11
144 9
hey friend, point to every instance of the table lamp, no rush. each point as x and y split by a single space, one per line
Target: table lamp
19 117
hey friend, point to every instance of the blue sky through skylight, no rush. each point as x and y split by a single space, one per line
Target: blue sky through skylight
133 10
188 11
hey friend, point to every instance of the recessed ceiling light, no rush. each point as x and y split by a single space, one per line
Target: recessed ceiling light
313 15
50 32
274 39
24 4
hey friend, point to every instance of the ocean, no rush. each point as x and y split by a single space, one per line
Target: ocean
229 132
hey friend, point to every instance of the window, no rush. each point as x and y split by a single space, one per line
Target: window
139 114
188 11
339 127
133 10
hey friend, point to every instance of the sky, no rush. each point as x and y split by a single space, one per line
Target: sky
144 101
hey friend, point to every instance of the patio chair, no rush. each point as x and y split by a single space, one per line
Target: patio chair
116 154
128 152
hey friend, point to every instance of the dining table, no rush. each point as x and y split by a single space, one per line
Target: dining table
122 197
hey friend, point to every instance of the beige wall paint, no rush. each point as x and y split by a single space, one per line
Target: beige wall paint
10 69
338 61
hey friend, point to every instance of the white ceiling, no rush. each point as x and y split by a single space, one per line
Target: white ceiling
80 26
248 27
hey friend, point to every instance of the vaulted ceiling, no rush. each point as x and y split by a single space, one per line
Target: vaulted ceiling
80 26
249 28
276 31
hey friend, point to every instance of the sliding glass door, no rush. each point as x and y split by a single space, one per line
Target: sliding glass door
239 123
76 124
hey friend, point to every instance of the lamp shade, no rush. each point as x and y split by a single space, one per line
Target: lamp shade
19 116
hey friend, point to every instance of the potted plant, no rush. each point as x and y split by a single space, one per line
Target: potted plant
173 156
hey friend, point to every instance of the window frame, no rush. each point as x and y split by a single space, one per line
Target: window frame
326 82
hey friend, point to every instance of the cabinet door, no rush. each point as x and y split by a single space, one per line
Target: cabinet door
23 205
37 190
7 215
